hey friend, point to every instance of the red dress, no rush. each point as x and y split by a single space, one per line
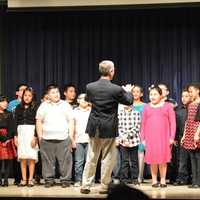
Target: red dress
191 127
7 147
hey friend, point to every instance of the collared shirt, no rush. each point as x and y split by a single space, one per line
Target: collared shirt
129 127
81 119
55 118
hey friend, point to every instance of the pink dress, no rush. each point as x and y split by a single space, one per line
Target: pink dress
158 127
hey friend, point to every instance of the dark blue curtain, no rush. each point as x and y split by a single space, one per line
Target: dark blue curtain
147 46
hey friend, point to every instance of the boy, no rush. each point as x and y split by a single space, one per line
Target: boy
55 127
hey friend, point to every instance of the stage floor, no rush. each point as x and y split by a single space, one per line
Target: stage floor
171 192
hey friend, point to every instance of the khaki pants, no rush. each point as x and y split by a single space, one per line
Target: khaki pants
95 147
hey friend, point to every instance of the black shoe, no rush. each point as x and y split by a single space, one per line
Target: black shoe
178 183
85 190
155 185
16 182
136 182
163 185
48 184
5 183
193 186
103 191
65 184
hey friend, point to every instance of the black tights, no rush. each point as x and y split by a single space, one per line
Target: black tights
5 169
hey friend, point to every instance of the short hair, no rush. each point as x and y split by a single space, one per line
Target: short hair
155 87
51 86
184 90
3 98
105 67
20 85
164 84
67 86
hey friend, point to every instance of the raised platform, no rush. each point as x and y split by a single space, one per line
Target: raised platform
56 192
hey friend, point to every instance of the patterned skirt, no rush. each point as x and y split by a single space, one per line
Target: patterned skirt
8 150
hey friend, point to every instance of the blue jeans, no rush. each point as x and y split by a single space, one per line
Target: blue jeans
117 168
80 158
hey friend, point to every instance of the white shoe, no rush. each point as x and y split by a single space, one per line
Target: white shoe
77 184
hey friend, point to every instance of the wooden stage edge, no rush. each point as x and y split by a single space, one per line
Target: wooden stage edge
56 192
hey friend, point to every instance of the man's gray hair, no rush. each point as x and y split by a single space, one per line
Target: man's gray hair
105 67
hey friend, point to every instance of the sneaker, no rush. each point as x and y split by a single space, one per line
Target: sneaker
77 184
116 181
48 184
85 190
5 183
65 184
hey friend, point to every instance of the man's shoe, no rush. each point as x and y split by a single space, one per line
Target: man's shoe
103 191
85 190
65 184
48 184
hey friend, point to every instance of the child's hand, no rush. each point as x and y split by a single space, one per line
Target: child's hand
171 142
34 142
16 141
182 140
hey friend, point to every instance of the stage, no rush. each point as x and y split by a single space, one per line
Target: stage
56 192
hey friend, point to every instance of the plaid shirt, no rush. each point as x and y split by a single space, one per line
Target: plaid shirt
128 127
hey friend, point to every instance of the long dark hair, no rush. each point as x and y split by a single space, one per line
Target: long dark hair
33 102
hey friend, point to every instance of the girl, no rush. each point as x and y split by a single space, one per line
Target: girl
7 147
26 140
190 140
157 134
138 105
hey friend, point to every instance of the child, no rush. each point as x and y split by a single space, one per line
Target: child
70 95
129 139
165 94
181 114
7 147
26 138
81 115
138 105
190 140
157 134
11 108
55 129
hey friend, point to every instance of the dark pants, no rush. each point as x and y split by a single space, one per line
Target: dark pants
52 150
184 163
38 167
195 163
129 156
80 158
5 167
117 168
17 171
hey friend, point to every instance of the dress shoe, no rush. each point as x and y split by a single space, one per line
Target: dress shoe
155 185
85 190
163 185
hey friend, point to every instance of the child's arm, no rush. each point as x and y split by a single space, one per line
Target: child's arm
143 125
172 121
